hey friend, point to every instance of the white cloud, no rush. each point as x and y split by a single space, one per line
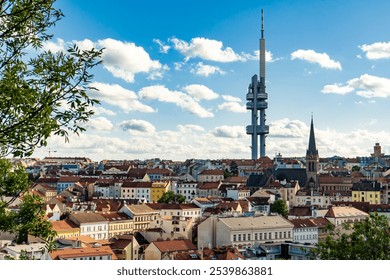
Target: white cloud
122 59
58 46
184 101
232 107
190 128
269 57
231 98
289 137
229 131
85 44
99 110
99 124
120 97
200 92
367 86
207 49
286 128
137 125
379 50
163 47
337 89
207 70
178 66
313 57
125 59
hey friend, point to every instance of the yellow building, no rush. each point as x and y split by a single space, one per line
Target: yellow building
65 229
158 189
118 224
367 191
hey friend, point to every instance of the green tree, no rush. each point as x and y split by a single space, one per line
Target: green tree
170 196
30 217
234 168
280 207
365 240
41 93
355 168
35 89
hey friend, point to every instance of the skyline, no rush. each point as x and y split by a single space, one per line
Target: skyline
174 77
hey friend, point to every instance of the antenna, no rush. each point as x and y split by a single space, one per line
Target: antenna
262 50
262 24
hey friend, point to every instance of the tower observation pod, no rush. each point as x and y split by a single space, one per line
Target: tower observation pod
257 103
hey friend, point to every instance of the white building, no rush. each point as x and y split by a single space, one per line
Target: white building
91 224
305 231
245 231
36 251
187 189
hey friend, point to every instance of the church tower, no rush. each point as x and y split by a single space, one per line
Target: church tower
312 161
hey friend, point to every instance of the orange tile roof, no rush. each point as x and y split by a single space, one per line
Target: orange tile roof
174 245
71 253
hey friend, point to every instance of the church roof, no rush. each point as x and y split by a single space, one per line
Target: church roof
312 149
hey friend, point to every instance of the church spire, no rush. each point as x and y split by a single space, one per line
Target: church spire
312 149
312 161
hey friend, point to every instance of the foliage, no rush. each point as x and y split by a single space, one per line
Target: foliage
355 168
170 196
365 240
29 220
280 207
41 94
234 168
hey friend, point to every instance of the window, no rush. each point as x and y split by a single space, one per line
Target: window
239 237
255 236
234 238
261 236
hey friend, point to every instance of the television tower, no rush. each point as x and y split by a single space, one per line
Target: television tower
257 103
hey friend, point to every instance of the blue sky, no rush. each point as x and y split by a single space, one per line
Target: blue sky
175 74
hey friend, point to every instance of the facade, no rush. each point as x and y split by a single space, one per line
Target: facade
208 189
142 215
158 189
237 192
305 231
65 182
118 224
243 231
136 190
187 189
211 175
184 210
91 224
367 191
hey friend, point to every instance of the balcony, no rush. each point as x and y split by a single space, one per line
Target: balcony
249 96
249 105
